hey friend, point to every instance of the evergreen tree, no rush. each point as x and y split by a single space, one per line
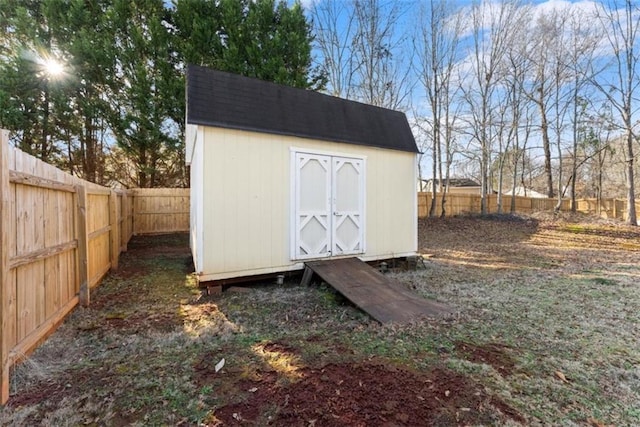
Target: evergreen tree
83 32
142 121
25 86
117 113
262 39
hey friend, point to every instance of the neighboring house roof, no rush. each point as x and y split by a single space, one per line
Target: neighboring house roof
458 182
220 99
526 192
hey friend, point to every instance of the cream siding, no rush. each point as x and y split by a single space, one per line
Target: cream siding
190 141
196 218
246 201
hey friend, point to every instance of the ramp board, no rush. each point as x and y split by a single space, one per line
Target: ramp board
383 298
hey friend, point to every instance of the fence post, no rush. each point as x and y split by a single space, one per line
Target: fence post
115 229
5 217
83 245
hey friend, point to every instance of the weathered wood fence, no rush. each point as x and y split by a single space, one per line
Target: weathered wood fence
59 236
464 204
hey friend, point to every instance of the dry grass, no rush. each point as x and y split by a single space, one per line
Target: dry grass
560 297
564 296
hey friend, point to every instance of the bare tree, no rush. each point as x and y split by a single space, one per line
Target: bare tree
363 51
437 49
334 29
492 24
382 71
505 134
582 40
594 147
545 81
620 21
515 73
562 100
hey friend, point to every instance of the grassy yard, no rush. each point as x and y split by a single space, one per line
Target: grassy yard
547 333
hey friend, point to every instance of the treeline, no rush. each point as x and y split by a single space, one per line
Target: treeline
541 95
97 87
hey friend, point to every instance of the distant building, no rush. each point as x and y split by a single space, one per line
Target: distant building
456 185
525 192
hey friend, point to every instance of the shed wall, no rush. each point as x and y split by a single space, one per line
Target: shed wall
196 215
246 185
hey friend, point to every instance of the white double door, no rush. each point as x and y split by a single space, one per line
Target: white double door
328 205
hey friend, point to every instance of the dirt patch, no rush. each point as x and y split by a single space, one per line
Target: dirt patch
437 232
368 395
117 298
144 322
204 369
48 389
129 271
277 347
492 354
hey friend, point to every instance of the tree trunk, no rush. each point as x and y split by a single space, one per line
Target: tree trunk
443 189
484 161
631 193
432 208
512 207
546 146
142 169
574 163
560 190
45 123
599 187
90 150
500 179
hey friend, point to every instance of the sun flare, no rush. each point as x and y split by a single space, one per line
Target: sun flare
53 68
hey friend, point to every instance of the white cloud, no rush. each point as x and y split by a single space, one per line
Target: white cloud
308 4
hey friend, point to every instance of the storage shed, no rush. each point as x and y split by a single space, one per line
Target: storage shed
281 175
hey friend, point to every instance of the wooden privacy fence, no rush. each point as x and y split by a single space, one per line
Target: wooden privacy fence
464 204
160 210
59 236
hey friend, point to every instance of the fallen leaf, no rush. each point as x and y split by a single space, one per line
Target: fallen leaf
596 423
561 376
402 417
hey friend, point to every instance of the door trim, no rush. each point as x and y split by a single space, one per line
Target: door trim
323 216
293 151
337 220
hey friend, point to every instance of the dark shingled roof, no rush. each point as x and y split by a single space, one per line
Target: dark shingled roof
220 99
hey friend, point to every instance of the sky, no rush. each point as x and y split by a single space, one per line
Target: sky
408 21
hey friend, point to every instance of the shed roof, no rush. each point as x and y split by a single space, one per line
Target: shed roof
220 99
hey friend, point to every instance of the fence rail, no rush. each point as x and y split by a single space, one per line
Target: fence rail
464 204
59 236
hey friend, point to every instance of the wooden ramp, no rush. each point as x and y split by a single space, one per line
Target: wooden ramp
383 298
